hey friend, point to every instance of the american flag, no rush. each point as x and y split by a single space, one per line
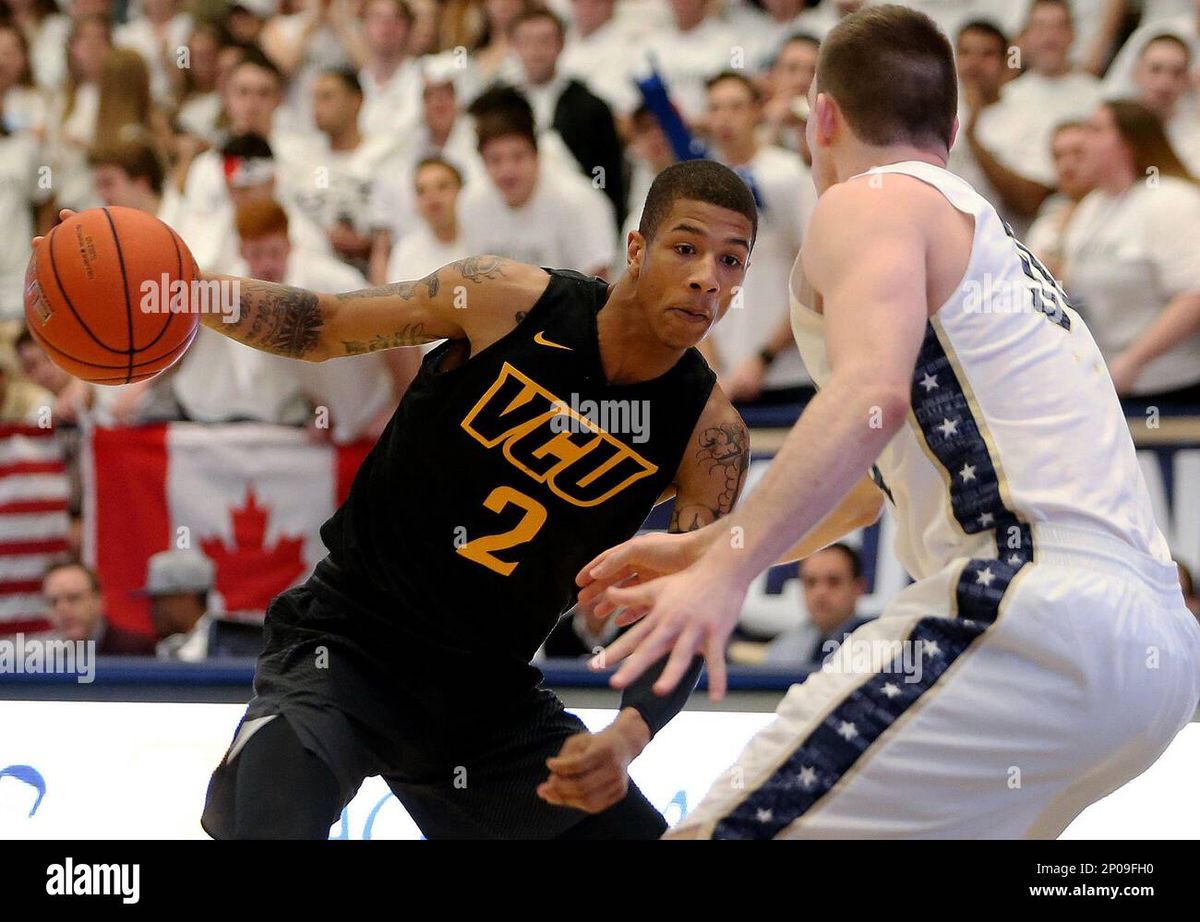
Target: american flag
34 493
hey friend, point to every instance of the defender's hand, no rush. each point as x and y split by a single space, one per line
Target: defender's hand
634 562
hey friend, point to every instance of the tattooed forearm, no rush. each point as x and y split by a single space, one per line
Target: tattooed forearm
276 318
726 449
411 335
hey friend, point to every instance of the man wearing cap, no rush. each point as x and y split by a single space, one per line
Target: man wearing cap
178 583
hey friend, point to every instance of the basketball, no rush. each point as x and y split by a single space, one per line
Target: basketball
107 295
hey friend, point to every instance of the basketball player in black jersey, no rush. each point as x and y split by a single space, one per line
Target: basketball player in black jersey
407 653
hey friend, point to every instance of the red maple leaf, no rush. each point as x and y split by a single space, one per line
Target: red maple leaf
250 574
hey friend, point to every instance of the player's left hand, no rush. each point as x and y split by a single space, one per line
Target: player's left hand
687 613
591 773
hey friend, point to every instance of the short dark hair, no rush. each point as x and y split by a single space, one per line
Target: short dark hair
438 161
892 74
1171 38
538 12
986 27
348 78
700 181
496 125
855 559
248 145
751 87
68 564
255 57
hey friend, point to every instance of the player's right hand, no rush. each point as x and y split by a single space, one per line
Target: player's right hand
636 561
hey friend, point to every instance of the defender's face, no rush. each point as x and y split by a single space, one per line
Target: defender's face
688 275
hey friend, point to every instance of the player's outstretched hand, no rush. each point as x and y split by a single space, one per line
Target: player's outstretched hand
687 613
591 773
634 562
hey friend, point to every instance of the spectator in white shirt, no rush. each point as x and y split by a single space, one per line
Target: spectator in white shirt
598 52
1162 79
532 214
157 35
1011 139
981 56
1118 82
1047 236
1132 263
436 241
786 111
391 78
46 30
753 350
445 132
334 189
198 93
73 112
22 103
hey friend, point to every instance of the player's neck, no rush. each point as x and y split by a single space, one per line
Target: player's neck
629 350
861 158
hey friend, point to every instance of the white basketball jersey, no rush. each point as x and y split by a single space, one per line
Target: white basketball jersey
1015 425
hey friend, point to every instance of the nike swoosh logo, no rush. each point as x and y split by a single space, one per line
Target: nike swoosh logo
540 338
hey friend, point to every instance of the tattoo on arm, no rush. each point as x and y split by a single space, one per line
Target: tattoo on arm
723 456
412 334
405 291
277 318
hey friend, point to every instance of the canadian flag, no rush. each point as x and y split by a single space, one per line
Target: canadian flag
33 523
250 497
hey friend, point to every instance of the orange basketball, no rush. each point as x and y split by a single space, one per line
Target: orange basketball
107 295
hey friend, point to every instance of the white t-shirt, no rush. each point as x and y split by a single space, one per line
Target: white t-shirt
19 162
603 61
1018 129
1184 132
139 35
1127 256
788 198
48 52
334 185
322 51
1047 235
391 109
685 60
565 224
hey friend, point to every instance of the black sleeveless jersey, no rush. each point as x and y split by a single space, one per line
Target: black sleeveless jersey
496 480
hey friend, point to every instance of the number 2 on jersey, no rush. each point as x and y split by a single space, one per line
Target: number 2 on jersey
482 550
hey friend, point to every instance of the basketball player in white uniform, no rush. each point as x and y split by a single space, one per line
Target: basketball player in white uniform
1057 658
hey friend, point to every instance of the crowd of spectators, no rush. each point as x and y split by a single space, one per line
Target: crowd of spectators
335 144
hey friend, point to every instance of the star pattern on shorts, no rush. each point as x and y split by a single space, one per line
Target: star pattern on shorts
930 382
764 816
1016 560
931 649
891 689
986 519
847 730
985 577
948 427
967 473
807 776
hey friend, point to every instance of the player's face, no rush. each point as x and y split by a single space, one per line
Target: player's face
512 164
114 186
1162 76
733 114
267 257
831 592
538 45
437 195
979 59
73 605
1069 150
688 275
